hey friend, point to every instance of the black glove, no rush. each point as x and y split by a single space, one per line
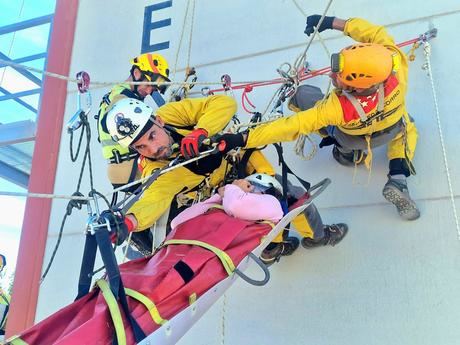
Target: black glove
312 22
229 141
118 228
327 141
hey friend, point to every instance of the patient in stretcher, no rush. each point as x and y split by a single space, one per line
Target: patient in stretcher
254 198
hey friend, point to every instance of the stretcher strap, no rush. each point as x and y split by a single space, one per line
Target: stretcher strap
151 307
223 256
15 340
114 311
192 298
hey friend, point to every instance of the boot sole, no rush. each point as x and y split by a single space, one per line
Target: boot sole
407 208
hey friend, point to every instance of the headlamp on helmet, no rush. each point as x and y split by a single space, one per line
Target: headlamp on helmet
128 120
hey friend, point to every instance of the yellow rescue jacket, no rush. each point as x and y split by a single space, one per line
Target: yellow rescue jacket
212 114
336 109
108 145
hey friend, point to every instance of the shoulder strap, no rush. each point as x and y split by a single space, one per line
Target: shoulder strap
358 107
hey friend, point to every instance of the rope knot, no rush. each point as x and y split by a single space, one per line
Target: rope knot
248 88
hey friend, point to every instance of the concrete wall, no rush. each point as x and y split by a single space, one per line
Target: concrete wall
389 281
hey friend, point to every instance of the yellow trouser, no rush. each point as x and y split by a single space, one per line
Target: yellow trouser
404 143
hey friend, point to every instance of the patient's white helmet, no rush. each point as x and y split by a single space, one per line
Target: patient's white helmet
262 182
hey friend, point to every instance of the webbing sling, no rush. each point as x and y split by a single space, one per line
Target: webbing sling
101 239
286 170
114 311
15 340
224 258
151 307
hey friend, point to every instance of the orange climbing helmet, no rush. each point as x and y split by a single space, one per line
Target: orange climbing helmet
152 65
364 65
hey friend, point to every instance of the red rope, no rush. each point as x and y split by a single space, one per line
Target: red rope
303 76
245 98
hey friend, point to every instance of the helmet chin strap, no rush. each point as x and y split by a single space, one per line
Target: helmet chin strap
135 87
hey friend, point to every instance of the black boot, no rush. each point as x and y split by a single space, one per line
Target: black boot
348 159
333 234
274 251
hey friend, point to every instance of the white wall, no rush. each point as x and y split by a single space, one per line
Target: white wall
389 281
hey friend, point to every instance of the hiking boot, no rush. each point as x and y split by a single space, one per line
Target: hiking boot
333 234
349 159
290 244
396 192
274 251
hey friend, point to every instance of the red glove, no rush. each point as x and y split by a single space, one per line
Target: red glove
191 143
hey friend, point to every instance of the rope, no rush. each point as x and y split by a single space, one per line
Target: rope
45 196
303 56
181 37
93 194
427 66
191 34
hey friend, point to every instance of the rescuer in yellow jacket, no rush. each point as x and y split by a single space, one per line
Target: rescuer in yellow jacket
182 127
122 161
159 137
366 109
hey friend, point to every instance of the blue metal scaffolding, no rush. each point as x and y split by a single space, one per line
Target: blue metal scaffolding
17 137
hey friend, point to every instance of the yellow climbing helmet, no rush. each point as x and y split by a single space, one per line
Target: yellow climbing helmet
364 65
152 65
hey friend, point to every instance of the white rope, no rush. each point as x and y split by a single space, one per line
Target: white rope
299 147
111 83
181 38
45 196
427 66
300 61
191 34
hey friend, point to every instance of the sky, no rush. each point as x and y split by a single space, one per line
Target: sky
16 45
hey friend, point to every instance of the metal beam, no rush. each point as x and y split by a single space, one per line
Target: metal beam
26 24
16 155
20 94
24 72
20 101
14 175
26 59
17 132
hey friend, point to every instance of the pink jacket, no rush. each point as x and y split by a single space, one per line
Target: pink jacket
236 203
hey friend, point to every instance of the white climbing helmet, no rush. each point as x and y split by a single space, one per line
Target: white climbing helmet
128 120
262 182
